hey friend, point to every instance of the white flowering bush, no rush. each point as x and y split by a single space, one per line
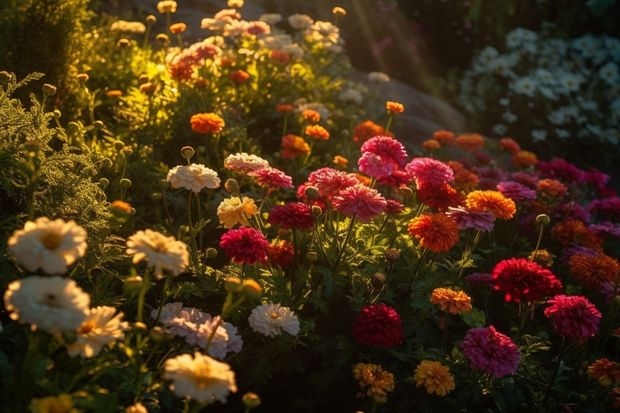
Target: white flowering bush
550 91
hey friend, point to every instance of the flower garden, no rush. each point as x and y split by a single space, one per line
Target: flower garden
229 223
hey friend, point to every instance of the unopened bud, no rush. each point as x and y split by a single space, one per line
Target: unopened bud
104 182
251 400
119 145
187 152
143 78
162 38
148 88
123 43
151 19
125 183
317 211
543 219
82 77
49 90
392 254
231 186
312 256
211 252
311 192
133 284
378 279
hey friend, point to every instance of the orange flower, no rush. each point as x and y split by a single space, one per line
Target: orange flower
374 381
311 115
239 76
592 271
575 232
444 137
509 145
121 208
340 161
280 57
437 232
494 202
177 28
366 130
435 377
524 159
114 93
206 123
394 108
431 144
451 301
464 179
470 141
317 132
551 188
294 146
607 372
285 108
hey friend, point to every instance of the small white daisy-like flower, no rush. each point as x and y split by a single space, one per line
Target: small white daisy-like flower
243 162
48 245
194 177
300 21
270 319
47 303
100 328
378 77
200 378
161 252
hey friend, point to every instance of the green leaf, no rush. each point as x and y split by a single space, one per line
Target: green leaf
474 318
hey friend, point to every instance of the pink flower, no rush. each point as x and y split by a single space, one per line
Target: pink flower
381 156
490 351
429 171
272 178
516 191
562 170
294 215
375 166
330 181
360 201
378 325
573 316
522 279
245 244
476 220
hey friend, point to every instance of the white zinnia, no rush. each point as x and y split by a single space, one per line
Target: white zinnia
161 252
194 177
200 378
243 162
100 328
270 319
48 245
48 303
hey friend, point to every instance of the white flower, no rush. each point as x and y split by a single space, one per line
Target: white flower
124 26
48 245
378 77
351 95
570 82
49 303
524 86
270 319
300 21
100 328
509 117
521 38
161 252
586 45
194 177
243 162
609 73
562 133
293 50
200 378
236 4
270 18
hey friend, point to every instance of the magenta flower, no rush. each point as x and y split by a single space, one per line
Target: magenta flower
516 191
245 244
382 156
429 171
490 351
523 280
573 316
476 220
360 201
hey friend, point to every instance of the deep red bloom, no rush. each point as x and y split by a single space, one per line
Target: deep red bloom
245 244
294 215
490 351
573 316
378 325
429 171
439 197
524 280
281 253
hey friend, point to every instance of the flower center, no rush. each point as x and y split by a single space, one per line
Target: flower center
159 246
51 240
50 300
274 315
86 327
202 376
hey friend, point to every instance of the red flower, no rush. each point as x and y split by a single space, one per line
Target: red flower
521 279
360 201
294 215
378 325
245 244
281 253
573 316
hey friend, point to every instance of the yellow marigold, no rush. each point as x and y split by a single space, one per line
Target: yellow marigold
575 232
470 141
207 123
491 201
167 6
177 28
340 161
437 232
435 377
444 137
317 132
524 159
311 115
451 301
293 146
62 403
394 108
374 381
593 270
551 188
236 211
431 144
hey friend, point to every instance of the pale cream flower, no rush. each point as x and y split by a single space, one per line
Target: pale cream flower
236 4
270 18
167 6
378 77
300 21
243 162
136 408
270 319
48 245
125 26
49 303
236 211
200 378
194 177
100 328
161 252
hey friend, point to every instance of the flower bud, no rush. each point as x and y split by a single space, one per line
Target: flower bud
148 88
125 183
543 219
118 145
151 19
187 152
251 400
104 182
57 114
378 279
211 252
311 192
231 186
98 125
392 254
316 211
162 38
82 77
143 78
121 209
123 43
106 163
133 284
312 256
49 90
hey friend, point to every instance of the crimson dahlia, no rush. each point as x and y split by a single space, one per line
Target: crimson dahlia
523 280
378 325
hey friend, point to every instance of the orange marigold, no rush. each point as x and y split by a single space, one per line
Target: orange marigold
177 28
317 132
607 372
575 232
451 301
311 115
470 141
239 76
524 159
394 108
340 161
207 123
551 188
374 381
593 270
431 144
437 232
435 377
464 179
366 130
444 137
293 146
491 201
285 107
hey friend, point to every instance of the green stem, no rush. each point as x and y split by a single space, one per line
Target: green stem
344 242
142 294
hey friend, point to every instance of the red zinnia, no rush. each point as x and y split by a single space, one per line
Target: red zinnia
437 232
330 181
360 201
521 279
245 244
294 215
573 316
378 325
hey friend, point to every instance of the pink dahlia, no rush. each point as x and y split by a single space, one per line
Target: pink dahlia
294 215
330 181
360 201
490 351
381 156
516 191
573 316
522 279
245 244
429 171
378 325
272 178
468 219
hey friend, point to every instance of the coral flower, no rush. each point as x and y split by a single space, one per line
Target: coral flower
330 181
509 145
605 371
359 201
434 377
271 178
524 159
366 130
207 123
49 245
431 145
444 137
429 171
374 381
378 325
293 215
236 211
593 270
317 132
470 141
437 232
451 301
293 146
490 351
246 245
573 316
523 280
239 76
311 115
551 188
492 201
161 252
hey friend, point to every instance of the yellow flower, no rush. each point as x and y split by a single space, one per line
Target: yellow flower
451 301
100 328
435 377
374 381
53 404
235 210
161 252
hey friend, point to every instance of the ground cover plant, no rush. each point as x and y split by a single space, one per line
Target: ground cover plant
230 224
